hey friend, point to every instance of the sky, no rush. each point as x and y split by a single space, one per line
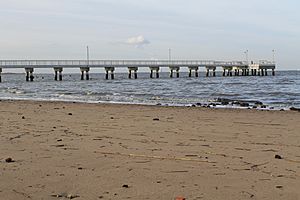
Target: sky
146 29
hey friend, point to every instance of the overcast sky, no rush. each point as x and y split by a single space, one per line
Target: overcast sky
146 29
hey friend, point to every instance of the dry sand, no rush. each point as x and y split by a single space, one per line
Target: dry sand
94 151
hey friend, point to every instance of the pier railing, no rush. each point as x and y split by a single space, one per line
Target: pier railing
114 63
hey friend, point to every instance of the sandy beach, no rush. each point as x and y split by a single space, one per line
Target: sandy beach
106 151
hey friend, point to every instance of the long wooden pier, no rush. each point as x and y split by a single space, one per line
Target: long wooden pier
229 68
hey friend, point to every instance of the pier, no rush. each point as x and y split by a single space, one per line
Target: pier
229 68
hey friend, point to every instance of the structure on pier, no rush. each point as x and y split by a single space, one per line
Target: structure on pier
262 68
238 67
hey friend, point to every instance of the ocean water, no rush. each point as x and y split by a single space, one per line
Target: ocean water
277 92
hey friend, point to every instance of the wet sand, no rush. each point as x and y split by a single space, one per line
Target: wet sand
104 151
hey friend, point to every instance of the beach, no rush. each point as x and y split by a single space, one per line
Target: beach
83 151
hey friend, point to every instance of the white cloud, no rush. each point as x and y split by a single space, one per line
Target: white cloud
138 41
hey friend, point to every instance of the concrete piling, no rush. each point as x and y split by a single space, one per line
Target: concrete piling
227 69
228 73
135 74
29 74
193 68
58 73
86 71
156 69
111 71
106 75
82 75
172 69
55 75
177 73
112 75
171 73
208 68
132 69
87 75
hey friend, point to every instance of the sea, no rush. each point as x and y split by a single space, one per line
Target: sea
268 92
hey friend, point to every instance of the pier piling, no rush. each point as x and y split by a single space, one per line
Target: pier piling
228 69
172 69
86 71
111 71
208 68
193 68
135 74
112 75
156 69
82 75
0 75
87 75
129 74
55 75
106 75
132 69
58 73
29 74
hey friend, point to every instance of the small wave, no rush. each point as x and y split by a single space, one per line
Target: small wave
14 91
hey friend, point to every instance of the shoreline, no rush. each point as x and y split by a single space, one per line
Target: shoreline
212 105
116 151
